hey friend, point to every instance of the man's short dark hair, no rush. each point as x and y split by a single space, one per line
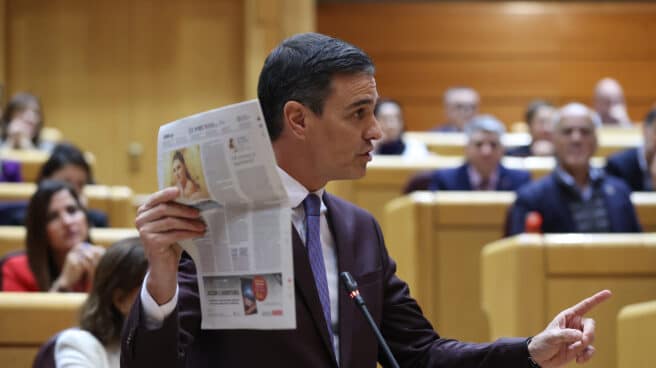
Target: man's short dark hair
301 69
533 108
651 117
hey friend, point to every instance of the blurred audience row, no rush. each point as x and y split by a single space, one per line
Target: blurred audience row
575 197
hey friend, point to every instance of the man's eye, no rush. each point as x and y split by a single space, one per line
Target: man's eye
359 113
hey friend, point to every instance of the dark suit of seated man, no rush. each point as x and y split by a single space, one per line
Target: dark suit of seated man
483 170
636 166
317 96
576 197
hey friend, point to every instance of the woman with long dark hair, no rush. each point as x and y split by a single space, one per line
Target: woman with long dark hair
59 256
96 343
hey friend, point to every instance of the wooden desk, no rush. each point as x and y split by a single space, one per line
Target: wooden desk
12 238
636 333
32 160
527 279
115 201
436 239
27 320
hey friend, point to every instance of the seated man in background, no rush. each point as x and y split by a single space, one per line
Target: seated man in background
483 170
575 197
609 103
389 114
539 117
460 106
636 165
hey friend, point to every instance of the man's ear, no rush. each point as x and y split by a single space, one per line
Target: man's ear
294 118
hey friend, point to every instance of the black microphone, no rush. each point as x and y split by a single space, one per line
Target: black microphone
352 289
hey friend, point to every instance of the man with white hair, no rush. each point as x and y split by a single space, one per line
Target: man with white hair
460 106
609 103
576 197
483 169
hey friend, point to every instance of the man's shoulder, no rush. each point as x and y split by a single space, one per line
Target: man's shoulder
344 208
625 156
516 173
616 183
537 188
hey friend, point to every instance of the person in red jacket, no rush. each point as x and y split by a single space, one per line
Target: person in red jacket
58 254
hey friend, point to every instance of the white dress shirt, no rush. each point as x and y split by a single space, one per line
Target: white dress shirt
296 193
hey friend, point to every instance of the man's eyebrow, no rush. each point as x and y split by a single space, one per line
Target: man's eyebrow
358 103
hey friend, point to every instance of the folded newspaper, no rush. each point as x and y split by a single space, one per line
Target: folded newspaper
223 163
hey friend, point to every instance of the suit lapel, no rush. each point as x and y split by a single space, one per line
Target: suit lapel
463 178
562 216
505 181
304 281
342 235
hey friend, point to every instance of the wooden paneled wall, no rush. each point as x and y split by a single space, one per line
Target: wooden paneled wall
511 52
110 72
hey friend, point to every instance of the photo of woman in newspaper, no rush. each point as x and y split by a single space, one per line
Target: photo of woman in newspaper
186 173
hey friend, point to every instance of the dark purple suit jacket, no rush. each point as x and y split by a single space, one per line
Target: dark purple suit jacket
361 251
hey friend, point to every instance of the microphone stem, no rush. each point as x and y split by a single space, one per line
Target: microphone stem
379 336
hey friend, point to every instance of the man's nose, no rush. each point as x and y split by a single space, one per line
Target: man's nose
374 131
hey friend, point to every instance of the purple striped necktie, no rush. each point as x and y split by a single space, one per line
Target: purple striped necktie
312 205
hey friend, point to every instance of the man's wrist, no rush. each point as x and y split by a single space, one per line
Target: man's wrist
531 363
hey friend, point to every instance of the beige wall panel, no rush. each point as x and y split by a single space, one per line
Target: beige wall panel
111 72
186 58
511 52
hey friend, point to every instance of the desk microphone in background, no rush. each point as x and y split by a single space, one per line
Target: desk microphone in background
352 289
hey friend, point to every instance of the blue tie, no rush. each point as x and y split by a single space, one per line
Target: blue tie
312 205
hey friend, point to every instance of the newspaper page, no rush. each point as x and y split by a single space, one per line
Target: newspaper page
223 163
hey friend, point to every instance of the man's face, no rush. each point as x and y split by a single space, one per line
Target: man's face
461 107
575 142
340 140
541 128
484 152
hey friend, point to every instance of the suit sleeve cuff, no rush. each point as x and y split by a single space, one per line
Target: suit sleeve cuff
154 313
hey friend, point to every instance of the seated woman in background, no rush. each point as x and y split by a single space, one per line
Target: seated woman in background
389 114
67 163
21 124
97 343
59 256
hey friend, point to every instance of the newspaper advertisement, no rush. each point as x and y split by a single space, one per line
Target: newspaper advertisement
223 163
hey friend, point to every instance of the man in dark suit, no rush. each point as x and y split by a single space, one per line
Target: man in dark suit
576 197
483 169
636 166
317 95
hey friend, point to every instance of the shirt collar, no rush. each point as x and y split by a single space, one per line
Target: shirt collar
475 178
296 192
